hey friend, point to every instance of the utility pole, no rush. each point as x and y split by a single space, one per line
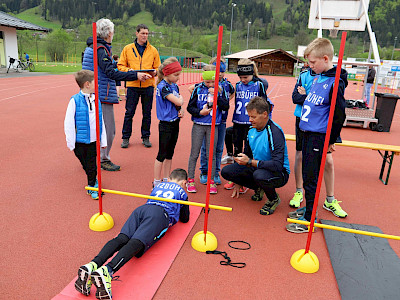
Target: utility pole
248 31
230 38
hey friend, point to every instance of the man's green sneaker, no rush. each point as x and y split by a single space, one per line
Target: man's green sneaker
270 206
296 200
335 208
258 195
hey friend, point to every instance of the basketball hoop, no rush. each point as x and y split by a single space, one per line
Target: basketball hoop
333 33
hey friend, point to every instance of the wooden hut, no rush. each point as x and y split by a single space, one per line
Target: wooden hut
268 61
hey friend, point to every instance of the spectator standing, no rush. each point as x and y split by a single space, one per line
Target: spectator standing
139 55
107 74
369 84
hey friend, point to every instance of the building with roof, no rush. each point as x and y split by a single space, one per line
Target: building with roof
8 35
268 61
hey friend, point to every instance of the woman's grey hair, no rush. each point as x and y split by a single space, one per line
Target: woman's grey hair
104 27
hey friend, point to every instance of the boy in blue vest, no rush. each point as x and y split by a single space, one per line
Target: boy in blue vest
314 121
146 225
80 127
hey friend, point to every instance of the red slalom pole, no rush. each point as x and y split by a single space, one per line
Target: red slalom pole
96 93
214 117
327 136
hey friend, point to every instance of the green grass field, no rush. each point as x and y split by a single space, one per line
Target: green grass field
33 15
144 17
57 68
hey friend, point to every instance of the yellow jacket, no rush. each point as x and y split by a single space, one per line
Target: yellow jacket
130 59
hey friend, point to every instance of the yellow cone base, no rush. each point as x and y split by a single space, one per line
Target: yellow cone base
305 263
201 246
102 222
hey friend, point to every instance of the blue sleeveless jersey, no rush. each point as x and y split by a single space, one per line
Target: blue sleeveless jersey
169 190
202 94
166 110
244 93
315 112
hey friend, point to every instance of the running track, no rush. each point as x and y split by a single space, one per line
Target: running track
45 212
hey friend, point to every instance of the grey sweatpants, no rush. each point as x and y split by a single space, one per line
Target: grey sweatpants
198 134
109 123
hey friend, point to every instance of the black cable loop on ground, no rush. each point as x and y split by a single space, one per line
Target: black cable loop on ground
237 248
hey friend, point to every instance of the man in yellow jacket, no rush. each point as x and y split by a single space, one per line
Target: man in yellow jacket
139 55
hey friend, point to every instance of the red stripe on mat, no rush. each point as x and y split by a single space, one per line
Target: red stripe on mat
140 278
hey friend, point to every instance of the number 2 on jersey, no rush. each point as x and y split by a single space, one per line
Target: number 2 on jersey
306 111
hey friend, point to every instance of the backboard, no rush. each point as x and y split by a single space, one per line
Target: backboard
338 14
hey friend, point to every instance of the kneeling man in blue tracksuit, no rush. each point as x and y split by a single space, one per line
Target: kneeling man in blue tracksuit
264 165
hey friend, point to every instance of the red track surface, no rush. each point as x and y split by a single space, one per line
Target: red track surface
45 234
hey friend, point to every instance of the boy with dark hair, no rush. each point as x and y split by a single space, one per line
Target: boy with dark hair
145 226
314 121
80 127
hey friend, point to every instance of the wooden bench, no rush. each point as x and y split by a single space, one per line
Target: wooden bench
387 157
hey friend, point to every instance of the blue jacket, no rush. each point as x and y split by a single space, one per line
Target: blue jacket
229 89
107 73
305 80
82 119
268 146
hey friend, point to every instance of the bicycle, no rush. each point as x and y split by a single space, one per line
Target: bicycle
20 65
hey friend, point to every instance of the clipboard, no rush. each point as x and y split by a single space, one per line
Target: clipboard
146 70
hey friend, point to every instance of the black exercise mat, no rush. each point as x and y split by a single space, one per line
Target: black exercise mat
365 267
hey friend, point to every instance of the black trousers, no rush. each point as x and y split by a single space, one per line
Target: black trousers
229 140
132 100
313 145
126 248
254 178
168 133
239 136
86 153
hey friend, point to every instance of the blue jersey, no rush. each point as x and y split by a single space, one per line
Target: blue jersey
202 94
229 89
244 93
305 80
169 190
166 110
315 111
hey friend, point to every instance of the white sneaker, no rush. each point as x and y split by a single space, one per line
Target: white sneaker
227 159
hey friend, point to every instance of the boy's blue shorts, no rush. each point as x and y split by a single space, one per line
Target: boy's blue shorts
147 223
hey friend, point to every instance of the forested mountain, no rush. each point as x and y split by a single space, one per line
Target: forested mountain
187 12
384 14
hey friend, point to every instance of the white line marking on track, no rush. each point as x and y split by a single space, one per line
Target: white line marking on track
32 92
